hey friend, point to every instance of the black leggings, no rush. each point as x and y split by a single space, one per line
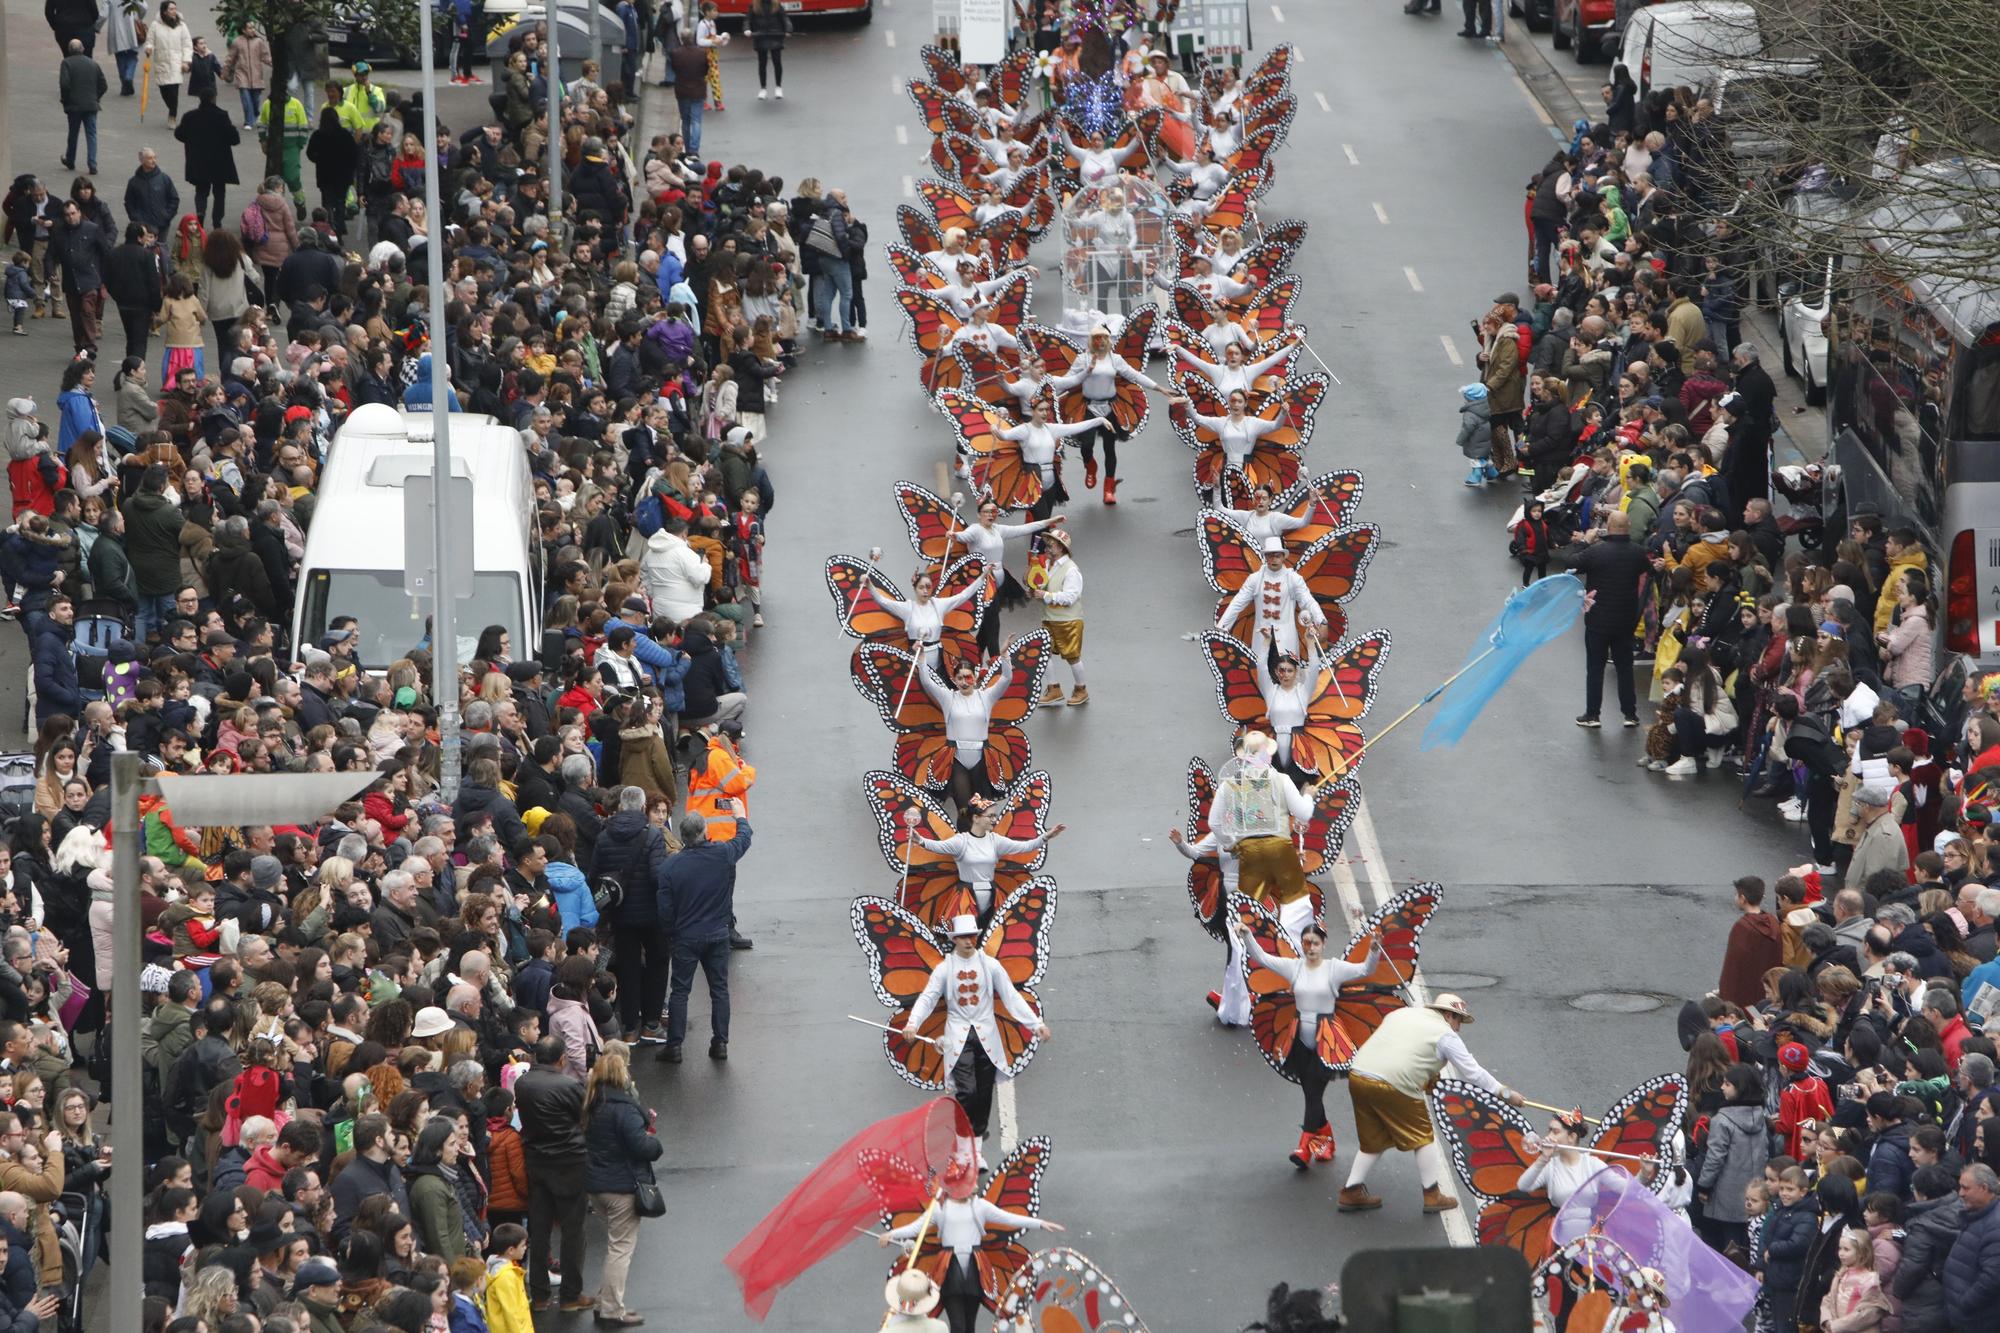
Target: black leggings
1109 436
961 1296
170 93
775 60
1304 1064
967 783
972 1085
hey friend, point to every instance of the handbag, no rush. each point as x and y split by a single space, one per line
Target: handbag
647 1201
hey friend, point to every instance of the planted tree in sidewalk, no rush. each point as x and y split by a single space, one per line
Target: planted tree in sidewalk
1890 102
296 30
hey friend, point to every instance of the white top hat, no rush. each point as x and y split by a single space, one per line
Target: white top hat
1274 546
963 925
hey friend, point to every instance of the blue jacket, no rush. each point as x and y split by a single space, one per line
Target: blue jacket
629 15
633 850
696 887
531 984
1788 1234
1986 974
667 667
572 894
1972 1274
79 414
617 1143
1889 1164
670 275
419 392
465 1315
56 689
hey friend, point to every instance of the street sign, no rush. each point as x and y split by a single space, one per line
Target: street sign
982 31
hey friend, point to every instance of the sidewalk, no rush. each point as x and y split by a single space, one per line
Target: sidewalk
1801 433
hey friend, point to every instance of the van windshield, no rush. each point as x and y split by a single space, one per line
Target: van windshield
392 623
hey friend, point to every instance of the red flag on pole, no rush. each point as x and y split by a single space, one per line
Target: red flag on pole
821 1213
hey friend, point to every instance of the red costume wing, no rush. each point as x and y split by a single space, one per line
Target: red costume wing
1204 875
1035 196
951 205
1268 313
1399 923
996 461
1334 807
1062 1291
1186 339
1487 1142
931 886
1333 566
920 233
1645 1122
932 523
1291 231
1141 128
1207 446
959 159
1016 1187
1189 239
1275 66
1294 410
1273 465
932 322
936 105
1274 1016
1024 813
1228 559
1254 155
1263 264
1010 79
1197 312
1236 692
901 951
1330 740
1007 753
901 701
1013 302
943 68
1018 938
1339 493
911 268
1031 653
1234 205
862 616
1274 115
982 375
1056 350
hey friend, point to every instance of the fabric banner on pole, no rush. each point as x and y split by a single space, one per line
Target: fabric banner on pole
982 31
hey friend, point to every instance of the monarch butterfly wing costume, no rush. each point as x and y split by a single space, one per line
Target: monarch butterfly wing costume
1014 301
862 615
952 205
933 525
1335 805
1254 155
1275 458
932 323
1364 1002
930 889
1234 206
1329 741
923 754
1228 556
1645 1122
1264 262
984 376
1236 692
997 466
1487 1140
1007 750
941 111
1196 311
911 268
903 1193
1011 79
1273 114
959 159
1266 313
919 230
1034 194
1274 1013
1207 445
1275 69
942 66
1339 495
1130 407
1017 1187
902 953
1024 813
1018 939
1062 1291
1204 875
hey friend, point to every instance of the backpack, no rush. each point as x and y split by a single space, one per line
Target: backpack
252 225
255 1093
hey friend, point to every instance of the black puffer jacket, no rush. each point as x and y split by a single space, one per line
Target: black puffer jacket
1930 1229
631 848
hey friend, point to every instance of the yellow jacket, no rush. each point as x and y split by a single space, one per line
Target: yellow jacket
507 1300
721 772
1885 601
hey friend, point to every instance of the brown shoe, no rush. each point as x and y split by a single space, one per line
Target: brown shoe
580 1303
1357 1199
1052 695
1078 697
1437 1201
544 1303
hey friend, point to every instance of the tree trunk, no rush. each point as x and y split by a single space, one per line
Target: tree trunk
276 94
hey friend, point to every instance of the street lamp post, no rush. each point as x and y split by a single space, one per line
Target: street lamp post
444 630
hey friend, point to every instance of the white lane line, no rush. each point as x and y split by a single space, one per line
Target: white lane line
1541 113
909 187
1451 350
1348 149
1381 214
902 134
1327 106
1416 285
897 85
1010 1124
1457 1226
1277 14
889 36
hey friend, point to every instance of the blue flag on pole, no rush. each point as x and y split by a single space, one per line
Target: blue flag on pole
1533 616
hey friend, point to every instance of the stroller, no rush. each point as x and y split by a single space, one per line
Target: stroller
76 1236
1805 490
99 625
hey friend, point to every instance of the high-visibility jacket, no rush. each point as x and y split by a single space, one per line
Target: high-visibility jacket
361 106
721 772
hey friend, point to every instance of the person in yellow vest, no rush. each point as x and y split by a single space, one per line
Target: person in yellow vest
1060 591
363 103
297 129
718 775
1391 1074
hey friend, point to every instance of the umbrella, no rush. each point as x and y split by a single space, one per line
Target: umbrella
1533 616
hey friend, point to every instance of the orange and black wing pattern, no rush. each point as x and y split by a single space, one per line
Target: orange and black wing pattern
958 158
984 376
1254 155
930 884
1330 740
1204 875
1274 1014
1010 306
902 953
1294 407
1334 566
903 1192
1487 1140
1274 70
1262 264
1011 79
997 467
1645 1122
1266 313
1195 310
1236 692
1018 940
1034 194
1273 114
911 268
934 526
941 111
1030 654
1332 510
951 205
943 68
882 674
1235 204
1017 1187
1335 804
1399 924
920 232
862 615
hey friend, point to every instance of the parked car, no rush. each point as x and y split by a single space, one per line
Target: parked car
1685 43
1539 15
1581 27
1754 101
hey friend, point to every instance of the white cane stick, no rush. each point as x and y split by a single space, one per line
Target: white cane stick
912 1036
1322 362
847 621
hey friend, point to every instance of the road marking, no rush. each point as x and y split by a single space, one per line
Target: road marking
902 134
1411 274
1451 350
909 188
1348 149
1381 214
1534 104
889 36
1277 14
1457 1226
1010 1125
897 85
1324 105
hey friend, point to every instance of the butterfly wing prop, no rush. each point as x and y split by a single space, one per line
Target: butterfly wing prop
1236 692
930 879
997 466
1274 114
1330 740
941 111
1235 204
1263 263
1274 69
1487 1140
1335 804
1016 1187
1034 194
919 230
1334 566
911 268
1062 1291
1255 155
1011 304
1274 1014
1645 1122
1366 1001
960 159
1294 408
943 68
934 526
902 953
1193 308
923 754
1010 79
1333 509
1018 939
1204 875
951 205
862 615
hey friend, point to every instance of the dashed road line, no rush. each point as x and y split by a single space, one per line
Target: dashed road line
889 36
902 134
909 187
1277 14
1381 214
1348 149
1416 284
1010 1123
1325 105
1451 350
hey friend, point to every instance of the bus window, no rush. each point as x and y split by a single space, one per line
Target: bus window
1978 395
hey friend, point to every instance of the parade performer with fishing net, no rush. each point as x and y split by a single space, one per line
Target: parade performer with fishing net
1391 1074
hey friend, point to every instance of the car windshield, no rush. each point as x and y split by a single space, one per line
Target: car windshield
392 622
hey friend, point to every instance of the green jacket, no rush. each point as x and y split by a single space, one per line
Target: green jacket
322 1318
153 543
111 572
166 1037
436 1215
1644 511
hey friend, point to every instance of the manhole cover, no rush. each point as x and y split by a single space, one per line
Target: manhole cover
1616 1002
1438 981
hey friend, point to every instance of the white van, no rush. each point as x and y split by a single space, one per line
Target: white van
354 561
1684 44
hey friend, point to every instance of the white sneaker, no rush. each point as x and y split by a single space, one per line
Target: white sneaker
1824 870
1683 767
1796 815
1656 765
1790 806
761 94
781 94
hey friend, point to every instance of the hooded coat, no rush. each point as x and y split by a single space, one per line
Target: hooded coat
1475 422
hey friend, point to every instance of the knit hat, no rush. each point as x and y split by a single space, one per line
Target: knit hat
265 871
1794 1057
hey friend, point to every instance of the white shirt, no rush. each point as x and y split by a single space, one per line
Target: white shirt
1257 527
1315 989
967 716
979 858
1228 379
983 336
1561 1175
1225 334
1038 443
1279 602
962 1224
990 544
1098 377
924 621
1238 436
969 989
1285 705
